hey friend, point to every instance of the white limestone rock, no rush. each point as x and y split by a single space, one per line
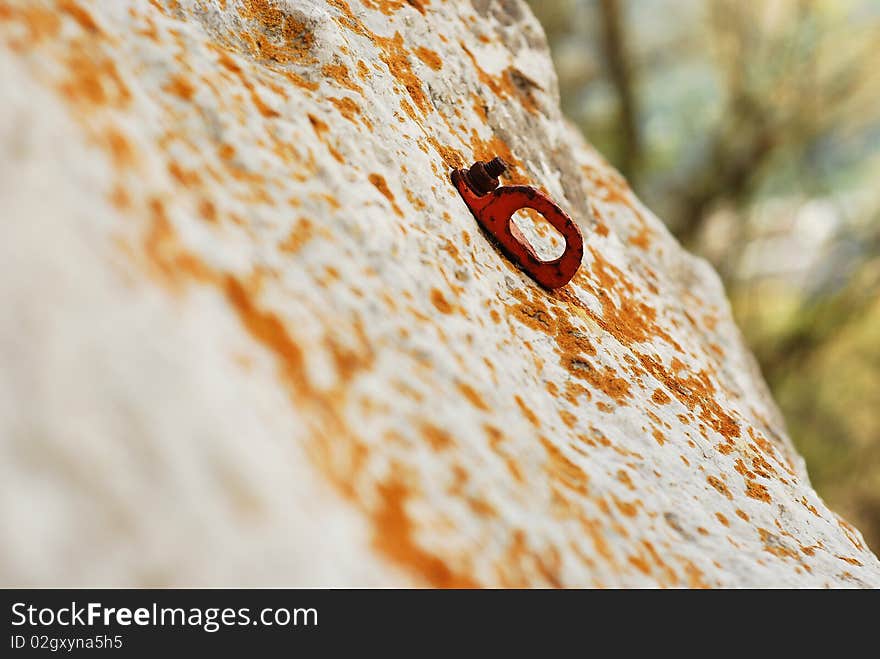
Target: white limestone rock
251 335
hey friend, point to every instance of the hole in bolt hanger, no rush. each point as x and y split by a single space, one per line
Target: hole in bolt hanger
528 225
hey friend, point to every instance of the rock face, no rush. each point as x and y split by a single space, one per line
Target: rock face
252 335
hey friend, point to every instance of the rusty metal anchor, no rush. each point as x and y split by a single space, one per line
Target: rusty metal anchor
493 206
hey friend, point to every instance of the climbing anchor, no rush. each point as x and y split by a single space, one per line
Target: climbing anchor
493 205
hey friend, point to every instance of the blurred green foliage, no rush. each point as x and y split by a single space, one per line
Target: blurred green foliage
753 130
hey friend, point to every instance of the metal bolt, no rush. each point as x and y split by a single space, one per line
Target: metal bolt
496 167
482 177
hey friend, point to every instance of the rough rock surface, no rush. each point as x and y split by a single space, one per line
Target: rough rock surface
251 335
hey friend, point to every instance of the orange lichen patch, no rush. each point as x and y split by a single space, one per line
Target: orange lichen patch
762 467
347 360
658 436
487 80
389 7
667 572
278 36
479 107
569 419
329 199
339 74
419 6
695 391
510 83
120 149
166 259
722 519
563 470
535 315
363 70
471 394
716 349
321 130
120 198
94 81
411 113
429 57
774 545
694 575
624 478
496 437
80 15
851 534
450 248
481 507
527 412
656 419
719 485
301 233
414 201
379 183
394 537
742 515
231 65
394 55
660 397
806 504
299 81
757 491
521 565
740 468
180 86
188 178
640 564
767 448
208 210
609 185
625 507
849 559
347 19
605 379
41 24
350 110
438 438
642 239
628 321
440 302
449 155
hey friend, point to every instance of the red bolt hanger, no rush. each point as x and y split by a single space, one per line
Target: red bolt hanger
493 206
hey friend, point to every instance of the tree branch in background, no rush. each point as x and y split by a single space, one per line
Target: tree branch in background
820 321
727 173
617 58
